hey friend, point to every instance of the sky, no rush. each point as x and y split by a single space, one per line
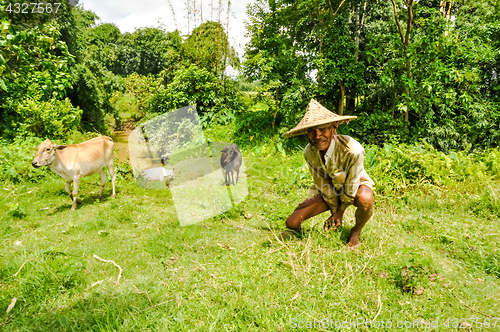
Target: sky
131 14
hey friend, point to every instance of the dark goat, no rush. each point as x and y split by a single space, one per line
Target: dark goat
230 160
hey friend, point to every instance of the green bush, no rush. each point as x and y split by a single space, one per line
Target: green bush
53 118
132 102
16 158
93 86
123 170
396 168
250 125
214 99
17 211
377 128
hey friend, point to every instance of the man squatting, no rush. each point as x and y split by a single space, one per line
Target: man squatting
336 165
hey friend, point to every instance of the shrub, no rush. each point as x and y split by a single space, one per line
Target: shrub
132 102
214 99
17 211
397 167
250 125
92 89
16 158
377 128
53 118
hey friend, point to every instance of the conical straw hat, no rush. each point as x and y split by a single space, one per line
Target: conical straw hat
316 115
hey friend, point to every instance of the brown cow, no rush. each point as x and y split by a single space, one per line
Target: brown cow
77 160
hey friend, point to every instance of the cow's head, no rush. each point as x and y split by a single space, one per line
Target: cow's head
229 154
46 154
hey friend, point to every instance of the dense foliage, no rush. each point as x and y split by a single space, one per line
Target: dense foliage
15 161
70 73
34 70
214 99
207 46
409 70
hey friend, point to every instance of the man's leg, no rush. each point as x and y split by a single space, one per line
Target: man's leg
364 211
307 209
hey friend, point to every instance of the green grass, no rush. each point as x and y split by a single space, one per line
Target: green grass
426 255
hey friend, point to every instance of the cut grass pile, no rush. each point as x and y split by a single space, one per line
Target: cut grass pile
427 255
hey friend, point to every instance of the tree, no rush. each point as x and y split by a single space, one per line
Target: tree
34 70
148 51
199 87
208 47
274 57
405 41
418 73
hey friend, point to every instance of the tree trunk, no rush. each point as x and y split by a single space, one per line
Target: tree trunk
408 72
350 105
276 102
405 40
342 97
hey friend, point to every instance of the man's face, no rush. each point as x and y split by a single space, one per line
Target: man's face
321 136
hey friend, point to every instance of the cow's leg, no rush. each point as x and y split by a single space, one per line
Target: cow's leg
67 187
102 174
237 174
76 183
111 169
225 177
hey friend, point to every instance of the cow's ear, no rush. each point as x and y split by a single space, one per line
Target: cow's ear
60 147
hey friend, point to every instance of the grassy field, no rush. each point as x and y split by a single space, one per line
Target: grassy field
428 257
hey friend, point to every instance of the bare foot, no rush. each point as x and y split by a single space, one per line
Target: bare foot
354 241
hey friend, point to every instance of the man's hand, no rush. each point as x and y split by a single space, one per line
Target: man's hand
335 221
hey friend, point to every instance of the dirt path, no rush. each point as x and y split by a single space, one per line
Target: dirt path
120 138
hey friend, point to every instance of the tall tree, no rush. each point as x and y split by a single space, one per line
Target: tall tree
208 47
405 42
